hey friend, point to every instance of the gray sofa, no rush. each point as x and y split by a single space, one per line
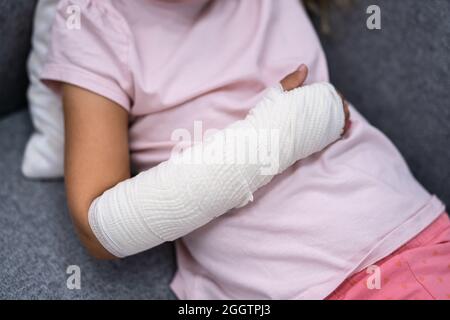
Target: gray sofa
398 77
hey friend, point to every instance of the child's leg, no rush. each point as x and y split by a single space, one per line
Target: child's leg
418 270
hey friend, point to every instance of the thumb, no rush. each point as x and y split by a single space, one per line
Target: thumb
295 79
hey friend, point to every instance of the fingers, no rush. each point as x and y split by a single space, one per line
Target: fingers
295 79
347 118
346 113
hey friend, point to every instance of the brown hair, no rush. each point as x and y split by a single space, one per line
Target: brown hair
321 8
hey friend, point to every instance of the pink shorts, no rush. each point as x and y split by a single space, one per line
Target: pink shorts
418 270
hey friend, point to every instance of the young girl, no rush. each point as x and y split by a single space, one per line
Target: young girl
135 71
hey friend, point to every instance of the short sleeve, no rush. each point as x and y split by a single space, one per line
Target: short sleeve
89 48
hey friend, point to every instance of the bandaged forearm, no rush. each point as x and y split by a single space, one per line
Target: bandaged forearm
208 179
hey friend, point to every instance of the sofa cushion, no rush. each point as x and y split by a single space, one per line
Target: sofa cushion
398 77
16 19
38 242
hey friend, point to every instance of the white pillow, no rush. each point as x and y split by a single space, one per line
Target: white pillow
44 153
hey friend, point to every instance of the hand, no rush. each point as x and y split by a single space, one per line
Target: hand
297 78
348 122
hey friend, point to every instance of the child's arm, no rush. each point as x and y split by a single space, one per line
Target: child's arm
96 155
182 194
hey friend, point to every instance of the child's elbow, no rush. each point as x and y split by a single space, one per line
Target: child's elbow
87 236
93 246
101 254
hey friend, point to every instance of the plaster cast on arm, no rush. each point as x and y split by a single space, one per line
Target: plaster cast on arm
182 194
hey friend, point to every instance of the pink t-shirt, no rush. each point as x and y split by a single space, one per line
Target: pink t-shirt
170 64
